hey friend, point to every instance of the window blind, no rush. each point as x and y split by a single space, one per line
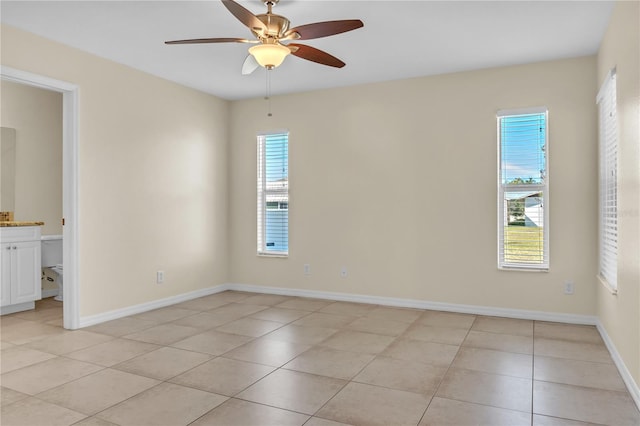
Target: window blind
522 189
608 192
273 193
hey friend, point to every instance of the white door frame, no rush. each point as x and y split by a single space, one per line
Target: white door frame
69 182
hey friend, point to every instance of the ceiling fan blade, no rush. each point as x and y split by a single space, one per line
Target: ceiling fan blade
315 55
211 40
324 29
244 15
250 65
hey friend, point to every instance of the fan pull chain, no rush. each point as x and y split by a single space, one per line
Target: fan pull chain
268 92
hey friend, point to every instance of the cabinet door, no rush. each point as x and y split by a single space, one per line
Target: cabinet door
5 274
26 286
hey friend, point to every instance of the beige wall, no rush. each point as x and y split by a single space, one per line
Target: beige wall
620 314
397 182
152 176
36 114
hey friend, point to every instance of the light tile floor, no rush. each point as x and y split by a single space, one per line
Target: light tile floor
254 359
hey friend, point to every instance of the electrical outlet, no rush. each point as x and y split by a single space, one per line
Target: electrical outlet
307 269
568 287
159 277
343 272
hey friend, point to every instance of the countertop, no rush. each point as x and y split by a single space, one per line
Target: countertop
12 223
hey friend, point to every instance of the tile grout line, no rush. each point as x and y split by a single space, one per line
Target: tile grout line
167 380
346 381
281 367
435 392
235 396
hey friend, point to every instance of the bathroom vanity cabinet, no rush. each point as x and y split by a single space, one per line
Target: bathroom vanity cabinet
20 262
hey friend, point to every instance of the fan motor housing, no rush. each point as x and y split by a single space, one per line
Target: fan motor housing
276 25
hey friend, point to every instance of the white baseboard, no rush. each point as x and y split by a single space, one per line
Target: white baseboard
148 306
420 304
343 297
632 386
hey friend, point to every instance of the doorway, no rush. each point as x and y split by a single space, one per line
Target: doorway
71 307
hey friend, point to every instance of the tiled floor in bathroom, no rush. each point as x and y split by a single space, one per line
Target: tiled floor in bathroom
252 359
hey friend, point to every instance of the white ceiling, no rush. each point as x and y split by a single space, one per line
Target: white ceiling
400 39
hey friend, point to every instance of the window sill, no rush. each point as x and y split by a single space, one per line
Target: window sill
276 255
523 268
609 287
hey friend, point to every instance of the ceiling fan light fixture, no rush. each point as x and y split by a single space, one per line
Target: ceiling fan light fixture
269 55
271 30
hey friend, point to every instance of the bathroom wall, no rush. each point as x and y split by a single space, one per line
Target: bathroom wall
36 114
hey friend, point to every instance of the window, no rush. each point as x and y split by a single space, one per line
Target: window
523 182
608 202
273 194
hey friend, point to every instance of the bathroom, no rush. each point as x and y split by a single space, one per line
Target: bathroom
31 121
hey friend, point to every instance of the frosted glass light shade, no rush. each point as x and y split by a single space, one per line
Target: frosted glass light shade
269 55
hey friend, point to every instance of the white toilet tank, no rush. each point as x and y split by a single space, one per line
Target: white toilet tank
51 250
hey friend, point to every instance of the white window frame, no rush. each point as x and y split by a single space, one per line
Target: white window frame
263 192
608 183
543 188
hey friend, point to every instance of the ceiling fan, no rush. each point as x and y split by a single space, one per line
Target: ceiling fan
271 30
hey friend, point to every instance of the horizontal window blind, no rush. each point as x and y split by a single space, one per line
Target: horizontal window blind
608 192
273 193
522 189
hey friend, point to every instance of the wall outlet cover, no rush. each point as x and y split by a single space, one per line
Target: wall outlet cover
568 287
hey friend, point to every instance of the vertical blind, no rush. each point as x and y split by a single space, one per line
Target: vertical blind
522 189
608 193
273 193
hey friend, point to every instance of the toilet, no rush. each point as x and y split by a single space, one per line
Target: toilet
51 255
